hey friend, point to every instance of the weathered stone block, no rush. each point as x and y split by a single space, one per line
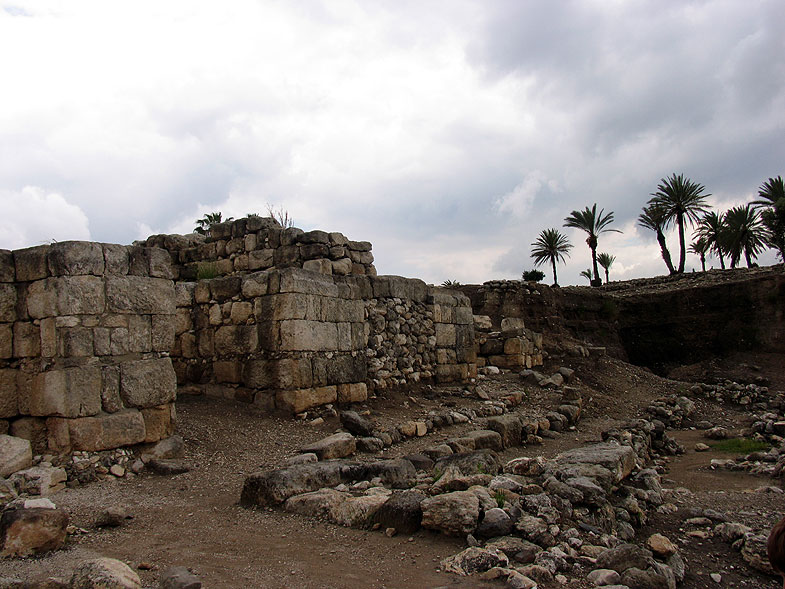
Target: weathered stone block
69 392
227 371
9 397
140 295
240 312
337 445
68 258
32 429
115 259
110 390
260 259
6 340
202 292
105 432
147 383
31 263
319 266
356 392
301 335
223 289
292 373
162 334
297 401
298 280
159 422
7 302
139 334
399 287
79 295
75 342
24 532
7 270
15 454
342 267
255 285
233 340
445 335
339 369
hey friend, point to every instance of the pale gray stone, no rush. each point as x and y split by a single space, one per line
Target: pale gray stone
104 572
15 454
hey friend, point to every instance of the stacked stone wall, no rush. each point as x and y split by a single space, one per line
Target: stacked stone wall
85 331
260 243
292 339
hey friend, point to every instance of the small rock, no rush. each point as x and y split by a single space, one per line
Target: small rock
701 447
111 517
716 577
179 577
390 532
661 546
167 466
117 470
104 572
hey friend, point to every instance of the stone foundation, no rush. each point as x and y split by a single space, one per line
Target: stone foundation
85 331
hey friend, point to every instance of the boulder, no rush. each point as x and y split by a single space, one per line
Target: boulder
276 486
754 553
357 512
516 549
509 427
24 532
643 579
661 546
401 511
337 445
486 439
104 573
15 454
495 523
483 461
179 577
317 504
398 473
623 557
454 514
356 423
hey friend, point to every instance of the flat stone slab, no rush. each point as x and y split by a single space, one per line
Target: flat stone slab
15 454
619 460
338 445
276 486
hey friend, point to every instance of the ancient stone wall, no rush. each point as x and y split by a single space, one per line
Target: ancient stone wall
292 339
85 331
260 243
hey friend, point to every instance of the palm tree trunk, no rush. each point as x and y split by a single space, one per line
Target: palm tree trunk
666 255
553 263
682 246
703 262
606 276
747 256
594 263
722 259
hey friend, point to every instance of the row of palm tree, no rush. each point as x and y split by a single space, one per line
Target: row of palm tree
553 246
743 230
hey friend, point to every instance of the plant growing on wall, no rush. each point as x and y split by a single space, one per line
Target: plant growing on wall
204 224
533 275
280 215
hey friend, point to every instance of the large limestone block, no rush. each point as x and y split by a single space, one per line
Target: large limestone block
147 383
454 514
298 400
445 335
337 445
105 432
7 302
7 270
105 573
298 280
70 392
235 340
301 335
619 460
339 369
6 340
31 263
356 392
66 295
115 258
27 340
9 397
159 422
162 333
76 258
510 428
276 486
15 454
150 261
399 287
140 294
24 532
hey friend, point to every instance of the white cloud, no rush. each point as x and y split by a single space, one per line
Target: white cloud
33 216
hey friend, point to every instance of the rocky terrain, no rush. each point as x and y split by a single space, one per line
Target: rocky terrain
591 473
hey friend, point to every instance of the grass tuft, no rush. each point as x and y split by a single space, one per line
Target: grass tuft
739 446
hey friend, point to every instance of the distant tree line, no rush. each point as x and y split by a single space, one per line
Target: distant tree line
741 231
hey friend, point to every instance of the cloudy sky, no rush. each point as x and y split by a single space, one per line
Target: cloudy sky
447 132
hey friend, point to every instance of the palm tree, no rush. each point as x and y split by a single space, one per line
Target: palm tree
713 231
551 246
587 274
653 217
682 200
772 201
745 234
606 261
204 224
592 223
699 247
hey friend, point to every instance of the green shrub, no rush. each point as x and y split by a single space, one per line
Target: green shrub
533 275
499 497
206 270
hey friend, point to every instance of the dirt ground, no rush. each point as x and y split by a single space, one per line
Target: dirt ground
193 519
